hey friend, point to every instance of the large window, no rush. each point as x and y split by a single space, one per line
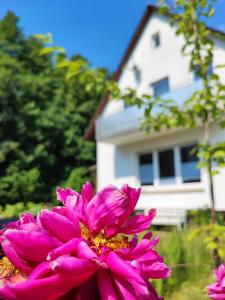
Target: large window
189 161
166 165
146 169
160 87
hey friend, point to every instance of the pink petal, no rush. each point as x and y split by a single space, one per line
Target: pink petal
35 245
138 223
68 248
84 251
125 290
133 196
106 208
87 192
133 243
153 292
216 296
40 289
148 235
26 218
62 194
87 291
66 212
51 280
75 270
143 252
105 285
156 271
121 268
59 226
14 258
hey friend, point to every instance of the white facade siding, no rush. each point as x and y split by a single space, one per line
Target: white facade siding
117 163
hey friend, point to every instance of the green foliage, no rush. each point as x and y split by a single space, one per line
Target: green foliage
191 265
42 117
204 106
202 217
77 178
213 237
190 290
14 210
18 184
216 153
76 66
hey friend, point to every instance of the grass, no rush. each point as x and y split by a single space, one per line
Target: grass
191 266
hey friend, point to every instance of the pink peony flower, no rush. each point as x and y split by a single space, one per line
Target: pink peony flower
217 290
82 250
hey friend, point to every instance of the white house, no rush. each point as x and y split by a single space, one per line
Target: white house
158 162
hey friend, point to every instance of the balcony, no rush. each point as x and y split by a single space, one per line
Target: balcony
127 122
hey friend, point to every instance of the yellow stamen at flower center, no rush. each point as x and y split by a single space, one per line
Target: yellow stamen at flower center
117 242
7 269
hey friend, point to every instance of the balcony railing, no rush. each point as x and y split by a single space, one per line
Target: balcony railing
128 120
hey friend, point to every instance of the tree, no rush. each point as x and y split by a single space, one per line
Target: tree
205 106
42 117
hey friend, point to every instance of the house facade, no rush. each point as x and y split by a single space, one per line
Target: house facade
159 162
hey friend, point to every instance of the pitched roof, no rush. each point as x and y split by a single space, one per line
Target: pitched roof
90 132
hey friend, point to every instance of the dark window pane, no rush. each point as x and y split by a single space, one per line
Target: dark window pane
196 72
137 75
189 160
161 87
156 40
166 164
126 105
146 169
210 70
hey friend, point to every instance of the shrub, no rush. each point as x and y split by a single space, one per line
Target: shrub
190 262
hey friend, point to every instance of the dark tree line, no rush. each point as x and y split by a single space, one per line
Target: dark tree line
43 118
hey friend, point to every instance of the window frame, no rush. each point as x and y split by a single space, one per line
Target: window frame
185 181
152 163
178 178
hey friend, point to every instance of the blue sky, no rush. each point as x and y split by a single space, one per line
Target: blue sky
98 29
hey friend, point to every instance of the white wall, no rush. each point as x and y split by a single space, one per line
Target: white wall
119 165
154 63
219 57
158 63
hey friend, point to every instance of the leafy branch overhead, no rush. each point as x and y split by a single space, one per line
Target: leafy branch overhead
205 106
76 66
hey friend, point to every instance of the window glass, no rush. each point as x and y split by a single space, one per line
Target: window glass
196 75
146 169
156 40
196 70
161 87
137 75
189 161
126 105
166 165
210 70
